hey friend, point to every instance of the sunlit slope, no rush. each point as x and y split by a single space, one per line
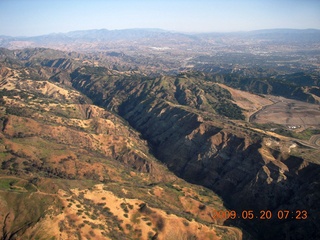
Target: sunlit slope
71 170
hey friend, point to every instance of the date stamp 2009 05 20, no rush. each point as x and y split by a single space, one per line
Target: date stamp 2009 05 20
262 214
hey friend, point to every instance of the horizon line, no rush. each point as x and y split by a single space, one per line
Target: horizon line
164 30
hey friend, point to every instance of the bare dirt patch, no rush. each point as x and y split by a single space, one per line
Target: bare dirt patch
291 113
247 101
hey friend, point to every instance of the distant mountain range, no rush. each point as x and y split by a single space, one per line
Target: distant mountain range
100 35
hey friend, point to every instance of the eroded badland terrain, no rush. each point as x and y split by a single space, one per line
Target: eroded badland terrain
159 135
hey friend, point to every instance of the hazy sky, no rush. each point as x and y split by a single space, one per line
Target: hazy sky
37 17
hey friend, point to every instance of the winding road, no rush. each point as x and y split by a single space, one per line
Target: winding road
315 140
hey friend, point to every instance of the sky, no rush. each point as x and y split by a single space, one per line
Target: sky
39 17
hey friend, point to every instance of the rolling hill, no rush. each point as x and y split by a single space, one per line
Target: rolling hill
105 151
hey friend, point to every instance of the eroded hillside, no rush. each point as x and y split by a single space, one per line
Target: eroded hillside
72 170
196 126
249 168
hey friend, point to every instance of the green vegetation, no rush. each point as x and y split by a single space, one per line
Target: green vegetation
230 110
287 85
3 155
284 131
7 183
304 135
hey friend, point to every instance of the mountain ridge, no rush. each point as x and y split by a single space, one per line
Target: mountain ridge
183 117
267 30
70 169
97 35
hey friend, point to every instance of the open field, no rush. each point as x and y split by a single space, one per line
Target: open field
251 103
290 113
285 116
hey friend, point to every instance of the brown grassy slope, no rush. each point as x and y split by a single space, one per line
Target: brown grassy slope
247 101
53 150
